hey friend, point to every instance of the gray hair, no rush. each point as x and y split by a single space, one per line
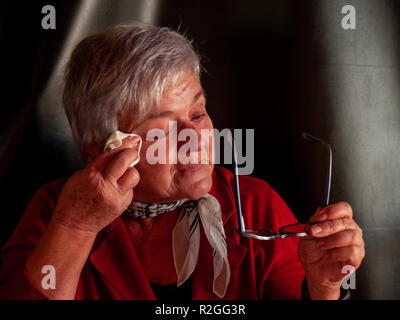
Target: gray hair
122 72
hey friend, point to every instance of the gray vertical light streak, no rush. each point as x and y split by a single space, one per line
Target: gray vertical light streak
360 71
92 16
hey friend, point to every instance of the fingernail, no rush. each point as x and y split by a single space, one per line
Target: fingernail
322 217
133 140
316 229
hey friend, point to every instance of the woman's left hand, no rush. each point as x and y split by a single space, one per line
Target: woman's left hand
336 241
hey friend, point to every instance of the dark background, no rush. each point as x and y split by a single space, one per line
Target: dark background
279 67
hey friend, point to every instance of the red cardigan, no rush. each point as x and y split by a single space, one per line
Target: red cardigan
259 269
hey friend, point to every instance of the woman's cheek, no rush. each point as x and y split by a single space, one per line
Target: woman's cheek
152 164
171 153
209 141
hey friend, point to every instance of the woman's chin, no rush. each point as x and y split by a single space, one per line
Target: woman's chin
197 184
198 192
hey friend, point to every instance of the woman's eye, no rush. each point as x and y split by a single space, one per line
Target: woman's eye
198 116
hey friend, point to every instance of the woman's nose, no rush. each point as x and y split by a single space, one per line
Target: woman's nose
189 133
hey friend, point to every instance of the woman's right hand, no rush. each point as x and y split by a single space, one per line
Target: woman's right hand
96 195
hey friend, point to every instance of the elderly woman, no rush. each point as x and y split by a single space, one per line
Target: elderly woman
155 231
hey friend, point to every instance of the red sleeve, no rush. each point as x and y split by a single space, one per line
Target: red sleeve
15 283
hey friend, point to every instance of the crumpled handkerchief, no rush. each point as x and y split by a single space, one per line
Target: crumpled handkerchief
115 141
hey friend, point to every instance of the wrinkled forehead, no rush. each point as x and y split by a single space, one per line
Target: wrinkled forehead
183 94
177 94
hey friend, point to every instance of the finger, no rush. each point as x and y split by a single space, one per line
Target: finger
101 161
334 211
129 179
314 219
129 142
341 239
350 255
329 227
308 250
119 164
317 216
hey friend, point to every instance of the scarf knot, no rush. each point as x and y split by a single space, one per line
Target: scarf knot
186 236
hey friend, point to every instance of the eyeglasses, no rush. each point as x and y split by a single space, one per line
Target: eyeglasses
292 230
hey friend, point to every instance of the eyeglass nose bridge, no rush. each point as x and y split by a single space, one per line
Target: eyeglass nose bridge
284 233
253 234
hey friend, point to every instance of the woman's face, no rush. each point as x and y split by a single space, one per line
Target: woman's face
184 104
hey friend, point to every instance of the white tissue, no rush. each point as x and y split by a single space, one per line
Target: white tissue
115 141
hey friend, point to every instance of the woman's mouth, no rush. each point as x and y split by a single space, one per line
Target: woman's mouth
189 169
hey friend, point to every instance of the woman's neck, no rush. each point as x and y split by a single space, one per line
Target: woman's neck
157 227
152 239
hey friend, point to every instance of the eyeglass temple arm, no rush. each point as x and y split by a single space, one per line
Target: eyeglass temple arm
311 138
240 219
308 137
